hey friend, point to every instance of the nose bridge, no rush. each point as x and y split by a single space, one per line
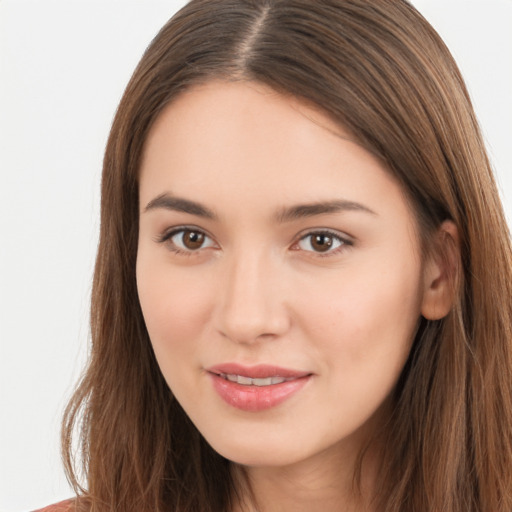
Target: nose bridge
251 303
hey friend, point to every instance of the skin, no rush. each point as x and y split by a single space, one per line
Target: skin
258 291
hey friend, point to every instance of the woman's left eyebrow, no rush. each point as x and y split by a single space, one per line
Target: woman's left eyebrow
324 207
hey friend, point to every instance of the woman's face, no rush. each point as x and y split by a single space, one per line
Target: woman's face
278 271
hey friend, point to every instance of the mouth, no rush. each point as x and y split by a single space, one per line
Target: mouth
249 381
256 388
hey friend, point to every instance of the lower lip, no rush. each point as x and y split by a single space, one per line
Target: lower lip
256 398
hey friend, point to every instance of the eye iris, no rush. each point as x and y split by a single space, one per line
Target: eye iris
193 240
321 243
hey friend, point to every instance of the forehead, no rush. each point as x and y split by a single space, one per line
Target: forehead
223 141
260 117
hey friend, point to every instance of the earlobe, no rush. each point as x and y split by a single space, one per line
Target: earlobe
440 273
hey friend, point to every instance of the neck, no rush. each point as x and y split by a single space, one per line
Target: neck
325 483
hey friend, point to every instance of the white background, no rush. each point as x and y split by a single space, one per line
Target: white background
63 67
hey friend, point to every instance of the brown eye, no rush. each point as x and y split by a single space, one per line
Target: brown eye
187 240
321 242
192 239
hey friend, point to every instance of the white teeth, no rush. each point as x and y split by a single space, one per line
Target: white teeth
245 381
262 382
248 381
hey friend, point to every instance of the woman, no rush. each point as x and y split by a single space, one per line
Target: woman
302 292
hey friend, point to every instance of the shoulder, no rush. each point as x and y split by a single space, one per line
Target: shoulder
63 506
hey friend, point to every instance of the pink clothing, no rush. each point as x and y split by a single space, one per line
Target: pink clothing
63 506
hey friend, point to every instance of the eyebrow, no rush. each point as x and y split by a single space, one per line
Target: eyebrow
320 208
288 214
179 204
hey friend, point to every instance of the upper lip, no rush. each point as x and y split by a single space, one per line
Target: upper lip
260 371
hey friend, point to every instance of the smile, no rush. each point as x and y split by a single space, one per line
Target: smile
248 381
256 388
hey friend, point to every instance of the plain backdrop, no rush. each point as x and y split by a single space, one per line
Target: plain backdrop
63 67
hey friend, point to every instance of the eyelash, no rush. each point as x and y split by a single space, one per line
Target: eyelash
344 242
168 235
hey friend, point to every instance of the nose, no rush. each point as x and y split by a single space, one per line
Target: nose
252 304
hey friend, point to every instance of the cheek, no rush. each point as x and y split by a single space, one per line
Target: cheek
175 310
365 317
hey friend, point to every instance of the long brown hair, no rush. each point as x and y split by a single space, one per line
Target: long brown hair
380 70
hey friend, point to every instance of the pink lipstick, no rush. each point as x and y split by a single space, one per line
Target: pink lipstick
256 388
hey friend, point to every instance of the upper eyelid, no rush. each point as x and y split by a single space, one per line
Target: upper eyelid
165 238
345 237
169 232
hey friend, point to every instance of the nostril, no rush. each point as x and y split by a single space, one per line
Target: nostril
249 333
249 308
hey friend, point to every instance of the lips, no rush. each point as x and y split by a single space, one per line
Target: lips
256 388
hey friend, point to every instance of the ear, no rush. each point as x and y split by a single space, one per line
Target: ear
440 272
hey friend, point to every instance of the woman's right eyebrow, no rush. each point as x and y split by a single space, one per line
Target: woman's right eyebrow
179 204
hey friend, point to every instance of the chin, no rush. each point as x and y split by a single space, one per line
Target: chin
258 451
257 457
